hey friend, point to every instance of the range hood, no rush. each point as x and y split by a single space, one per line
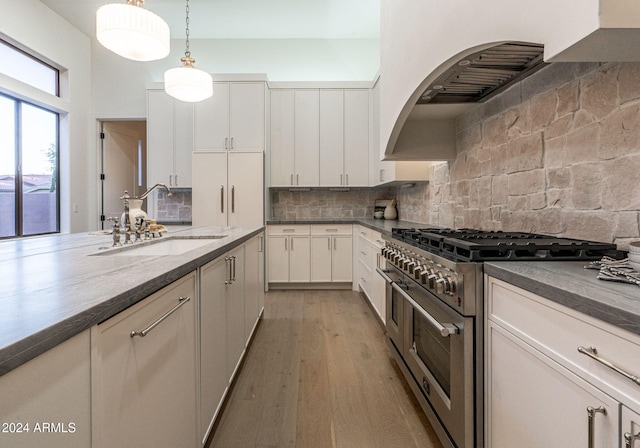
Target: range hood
480 76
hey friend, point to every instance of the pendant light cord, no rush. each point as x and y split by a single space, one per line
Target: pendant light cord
187 52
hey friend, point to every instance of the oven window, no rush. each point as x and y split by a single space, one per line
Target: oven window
434 351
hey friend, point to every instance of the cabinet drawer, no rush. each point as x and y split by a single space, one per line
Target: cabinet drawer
365 232
558 331
364 251
331 229
293 229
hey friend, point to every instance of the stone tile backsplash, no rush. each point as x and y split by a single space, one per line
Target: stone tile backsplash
175 208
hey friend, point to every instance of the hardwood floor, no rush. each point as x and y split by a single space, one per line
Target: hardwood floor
319 374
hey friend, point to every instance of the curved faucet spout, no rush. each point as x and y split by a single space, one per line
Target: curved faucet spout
146 193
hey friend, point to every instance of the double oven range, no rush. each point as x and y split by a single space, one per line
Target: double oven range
434 314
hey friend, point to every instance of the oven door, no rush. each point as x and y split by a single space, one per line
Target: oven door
394 306
439 351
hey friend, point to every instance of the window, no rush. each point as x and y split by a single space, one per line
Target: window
29 193
24 67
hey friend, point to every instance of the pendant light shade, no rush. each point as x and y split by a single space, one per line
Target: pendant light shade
132 32
186 82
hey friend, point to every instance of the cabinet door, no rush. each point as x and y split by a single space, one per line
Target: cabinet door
299 259
53 387
534 402
332 138
213 341
254 288
278 259
159 137
235 312
209 193
282 137
245 189
145 387
246 116
356 138
307 138
321 250
342 258
630 424
211 120
183 143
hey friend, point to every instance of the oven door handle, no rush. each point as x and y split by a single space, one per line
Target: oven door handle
444 329
383 273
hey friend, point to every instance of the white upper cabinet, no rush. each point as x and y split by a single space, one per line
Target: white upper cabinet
169 140
233 119
295 145
282 137
356 137
319 137
307 138
344 138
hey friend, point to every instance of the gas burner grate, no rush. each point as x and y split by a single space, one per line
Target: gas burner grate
472 245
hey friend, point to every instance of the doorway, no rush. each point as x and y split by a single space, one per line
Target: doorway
123 163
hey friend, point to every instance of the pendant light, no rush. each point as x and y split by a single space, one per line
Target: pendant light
132 32
186 82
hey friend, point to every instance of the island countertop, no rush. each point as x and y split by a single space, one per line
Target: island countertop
56 286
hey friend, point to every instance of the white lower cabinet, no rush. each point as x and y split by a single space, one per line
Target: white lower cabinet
630 428
289 254
331 253
46 402
540 390
231 299
144 383
315 253
369 245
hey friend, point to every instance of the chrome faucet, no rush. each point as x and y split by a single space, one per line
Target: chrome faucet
131 227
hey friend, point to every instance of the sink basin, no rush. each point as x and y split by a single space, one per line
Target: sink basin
174 245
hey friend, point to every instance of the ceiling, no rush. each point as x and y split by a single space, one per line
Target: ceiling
246 19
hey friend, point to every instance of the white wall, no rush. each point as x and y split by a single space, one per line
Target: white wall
420 38
36 27
119 84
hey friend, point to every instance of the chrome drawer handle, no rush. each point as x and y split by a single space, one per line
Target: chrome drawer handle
591 352
444 329
591 412
144 332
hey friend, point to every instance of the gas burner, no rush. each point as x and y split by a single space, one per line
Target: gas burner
472 245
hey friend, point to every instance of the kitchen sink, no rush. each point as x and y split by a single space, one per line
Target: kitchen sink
173 245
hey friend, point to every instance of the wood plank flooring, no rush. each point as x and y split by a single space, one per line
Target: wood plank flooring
319 375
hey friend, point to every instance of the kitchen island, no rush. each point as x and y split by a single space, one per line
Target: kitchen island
57 286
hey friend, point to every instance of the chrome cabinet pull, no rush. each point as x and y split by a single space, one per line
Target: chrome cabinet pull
226 143
329 243
630 439
591 412
297 179
221 198
233 268
288 230
285 244
335 244
231 142
227 261
233 198
341 179
146 331
292 179
591 352
444 329
291 244
261 244
347 177
175 179
170 180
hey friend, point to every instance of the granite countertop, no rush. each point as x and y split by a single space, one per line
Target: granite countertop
54 287
569 283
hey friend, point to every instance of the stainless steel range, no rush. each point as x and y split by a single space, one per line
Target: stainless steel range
434 310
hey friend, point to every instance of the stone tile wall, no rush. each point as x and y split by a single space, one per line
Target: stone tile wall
558 153
175 208
325 203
